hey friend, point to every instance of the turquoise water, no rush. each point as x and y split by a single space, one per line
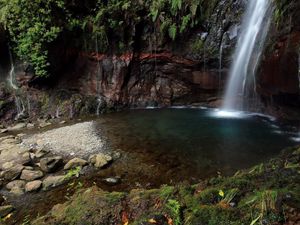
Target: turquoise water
192 142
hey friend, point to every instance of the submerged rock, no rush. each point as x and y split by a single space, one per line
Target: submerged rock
33 186
51 164
74 163
5 210
100 160
30 175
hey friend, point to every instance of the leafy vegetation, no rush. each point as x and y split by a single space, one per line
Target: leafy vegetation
100 26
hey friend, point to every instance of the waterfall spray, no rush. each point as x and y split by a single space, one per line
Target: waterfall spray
246 57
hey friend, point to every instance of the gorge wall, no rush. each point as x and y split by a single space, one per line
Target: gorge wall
158 72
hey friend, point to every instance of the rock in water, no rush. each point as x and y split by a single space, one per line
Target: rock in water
100 160
74 163
51 164
30 175
33 186
5 210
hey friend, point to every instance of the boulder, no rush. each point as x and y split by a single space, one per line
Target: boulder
100 160
16 184
75 163
12 173
51 164
33 186
53 181
30 175
5 210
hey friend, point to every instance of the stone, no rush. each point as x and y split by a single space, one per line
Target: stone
33 186
75 163
44 124
12 173
6 137
28 168
17 191
112 180
15 184
51 164
18 126
53 181
30 125
5 210
41 152
11 141
100 160
7 165
2 131
30 175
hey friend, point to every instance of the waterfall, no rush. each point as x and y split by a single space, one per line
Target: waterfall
12 83
241 83
98 81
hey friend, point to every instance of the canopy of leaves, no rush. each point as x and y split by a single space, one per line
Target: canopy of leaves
34 25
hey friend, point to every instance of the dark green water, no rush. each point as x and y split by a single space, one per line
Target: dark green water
191 142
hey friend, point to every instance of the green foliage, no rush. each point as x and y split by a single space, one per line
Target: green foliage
32 27
175 210
73 172
99 26
172 31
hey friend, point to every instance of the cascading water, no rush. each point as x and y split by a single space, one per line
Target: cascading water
246 57
12 83
98 87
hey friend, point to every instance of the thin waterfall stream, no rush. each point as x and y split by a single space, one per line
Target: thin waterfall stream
12 83
241 83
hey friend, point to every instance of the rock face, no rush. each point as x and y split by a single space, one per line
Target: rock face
161 73
51 164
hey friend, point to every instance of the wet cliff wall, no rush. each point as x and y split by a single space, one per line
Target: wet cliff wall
157 71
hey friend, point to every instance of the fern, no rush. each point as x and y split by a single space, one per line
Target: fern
185 22
172 31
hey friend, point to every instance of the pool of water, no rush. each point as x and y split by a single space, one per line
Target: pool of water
193 142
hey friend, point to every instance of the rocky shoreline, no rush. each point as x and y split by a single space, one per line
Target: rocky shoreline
40 162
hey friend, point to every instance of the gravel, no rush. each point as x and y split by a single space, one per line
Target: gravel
79 140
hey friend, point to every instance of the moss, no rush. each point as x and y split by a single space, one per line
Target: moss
257 195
